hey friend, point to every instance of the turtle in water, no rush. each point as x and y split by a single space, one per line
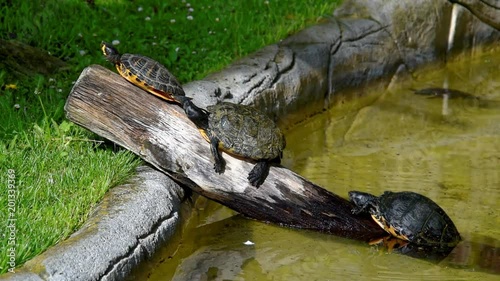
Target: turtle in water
439 92
240 130
145 73
408 216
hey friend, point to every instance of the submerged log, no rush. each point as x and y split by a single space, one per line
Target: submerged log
161 135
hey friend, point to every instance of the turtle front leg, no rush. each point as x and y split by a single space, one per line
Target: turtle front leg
219 162
259 173
363 208
358 209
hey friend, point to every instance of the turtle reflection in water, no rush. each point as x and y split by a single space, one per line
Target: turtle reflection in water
440 92
240 130
408 216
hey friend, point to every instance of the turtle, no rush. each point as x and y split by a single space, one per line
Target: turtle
439 92
145 73
408 216
241 131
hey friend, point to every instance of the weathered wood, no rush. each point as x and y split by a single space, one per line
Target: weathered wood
160 133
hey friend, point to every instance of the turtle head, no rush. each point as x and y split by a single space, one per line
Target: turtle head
197 115
110 52
363 201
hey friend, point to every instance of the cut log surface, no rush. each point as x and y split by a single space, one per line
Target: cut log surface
160 133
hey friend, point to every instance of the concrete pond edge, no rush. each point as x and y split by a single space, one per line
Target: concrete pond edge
301 73
128 226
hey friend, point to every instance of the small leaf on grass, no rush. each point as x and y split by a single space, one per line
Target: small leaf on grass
172 56
65 126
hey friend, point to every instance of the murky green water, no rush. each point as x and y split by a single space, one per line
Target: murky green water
388 140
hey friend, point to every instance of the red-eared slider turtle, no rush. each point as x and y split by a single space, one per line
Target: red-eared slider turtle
408 216
439 92
239 130
145 73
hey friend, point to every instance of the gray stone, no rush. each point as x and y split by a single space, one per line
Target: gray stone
487 11
365 41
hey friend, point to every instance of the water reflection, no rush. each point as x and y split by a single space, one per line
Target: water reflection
391 140
479 253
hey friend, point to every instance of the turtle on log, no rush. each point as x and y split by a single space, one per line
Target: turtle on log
240 130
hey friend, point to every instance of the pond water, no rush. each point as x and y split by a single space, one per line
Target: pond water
447 149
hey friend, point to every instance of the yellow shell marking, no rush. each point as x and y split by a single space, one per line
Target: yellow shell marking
203 133
390 229
132 78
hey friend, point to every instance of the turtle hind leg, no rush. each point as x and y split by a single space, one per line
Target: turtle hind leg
219 162
259 173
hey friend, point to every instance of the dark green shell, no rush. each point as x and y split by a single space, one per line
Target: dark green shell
410 215
245 131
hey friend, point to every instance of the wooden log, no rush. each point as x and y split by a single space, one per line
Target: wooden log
160 133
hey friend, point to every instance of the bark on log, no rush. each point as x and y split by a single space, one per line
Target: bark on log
160 133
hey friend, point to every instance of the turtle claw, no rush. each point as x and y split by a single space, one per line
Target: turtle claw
255 180
259 173
357 210
219 167
214 149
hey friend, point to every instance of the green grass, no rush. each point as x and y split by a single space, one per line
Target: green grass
59 174
61 170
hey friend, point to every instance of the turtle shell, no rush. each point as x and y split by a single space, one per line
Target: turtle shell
150 75
245 131
412 217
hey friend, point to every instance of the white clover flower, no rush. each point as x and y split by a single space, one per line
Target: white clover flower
190 10
139 9
115 42
172 21
190 17
147 18
82 52
50 179
217 19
